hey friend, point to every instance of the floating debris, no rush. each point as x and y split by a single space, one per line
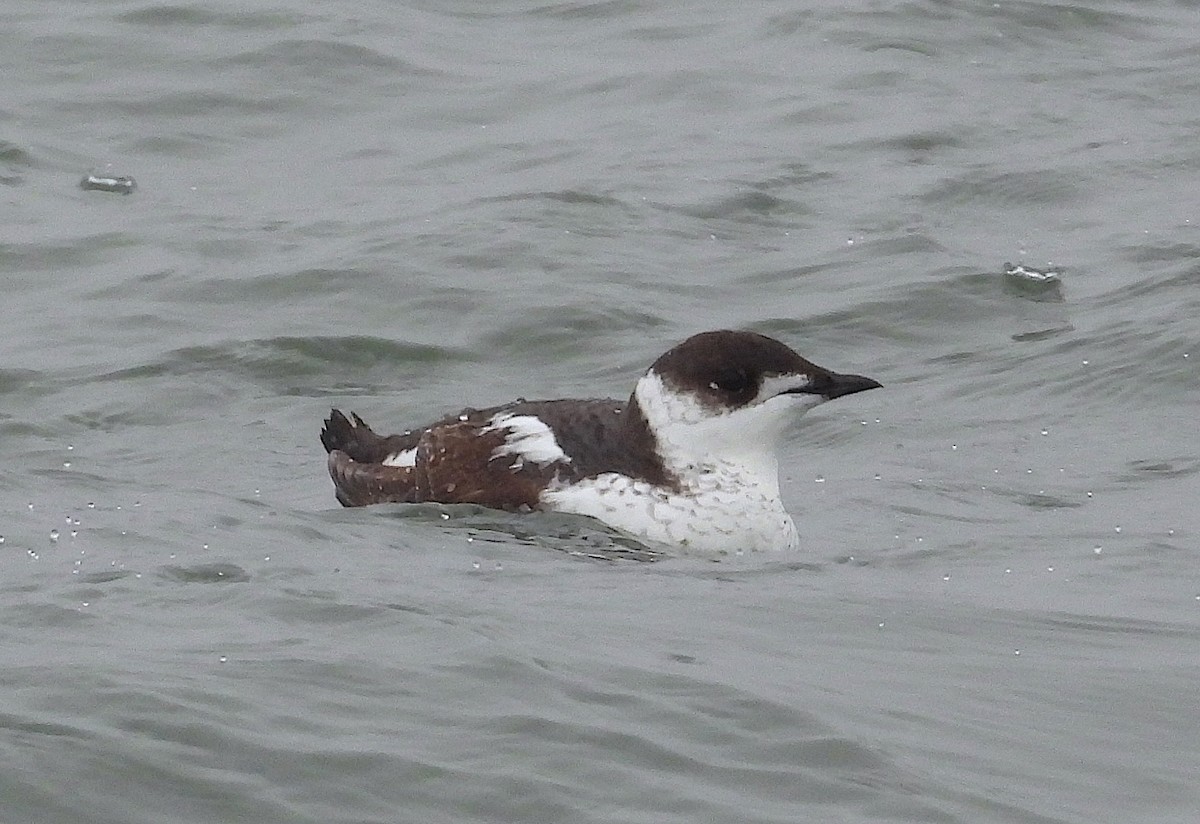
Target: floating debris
119 184
1024 272
1041 284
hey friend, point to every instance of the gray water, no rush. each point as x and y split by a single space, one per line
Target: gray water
405 208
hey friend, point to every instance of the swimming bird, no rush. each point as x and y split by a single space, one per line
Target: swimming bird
688 461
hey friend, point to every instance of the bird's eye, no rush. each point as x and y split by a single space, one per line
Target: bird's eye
731 382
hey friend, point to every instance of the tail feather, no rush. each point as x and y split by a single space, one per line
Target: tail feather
356 462
353 436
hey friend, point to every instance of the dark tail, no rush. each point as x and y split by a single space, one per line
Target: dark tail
356 455
353 436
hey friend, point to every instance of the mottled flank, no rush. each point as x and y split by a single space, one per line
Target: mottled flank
475 457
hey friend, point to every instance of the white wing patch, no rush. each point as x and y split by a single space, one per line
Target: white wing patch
529 439
407 457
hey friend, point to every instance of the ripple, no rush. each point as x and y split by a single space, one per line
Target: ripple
1005 190
215 573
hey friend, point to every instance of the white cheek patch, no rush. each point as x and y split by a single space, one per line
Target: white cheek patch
773 385
782 389
408 457
529 439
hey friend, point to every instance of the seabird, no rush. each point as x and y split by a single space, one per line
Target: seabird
689 460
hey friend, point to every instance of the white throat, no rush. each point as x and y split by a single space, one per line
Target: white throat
693 438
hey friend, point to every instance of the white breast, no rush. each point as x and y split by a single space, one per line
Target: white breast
721 511
724 462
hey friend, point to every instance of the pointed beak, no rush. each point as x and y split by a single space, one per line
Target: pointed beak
824 384
830 385
837 385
